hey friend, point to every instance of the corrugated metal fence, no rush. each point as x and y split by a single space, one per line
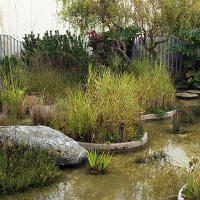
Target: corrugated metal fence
9 46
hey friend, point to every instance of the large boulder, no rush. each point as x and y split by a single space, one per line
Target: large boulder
70 153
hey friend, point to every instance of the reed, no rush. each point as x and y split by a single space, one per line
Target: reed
192 190
107 111
155 88
48 82
13 90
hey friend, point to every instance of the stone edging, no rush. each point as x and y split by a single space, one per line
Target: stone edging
116 146
180 193
154 116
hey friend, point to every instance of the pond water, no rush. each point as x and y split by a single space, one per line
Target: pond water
127 180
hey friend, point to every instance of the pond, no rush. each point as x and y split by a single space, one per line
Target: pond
155 179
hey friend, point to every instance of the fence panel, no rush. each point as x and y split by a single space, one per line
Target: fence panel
165 54
9 46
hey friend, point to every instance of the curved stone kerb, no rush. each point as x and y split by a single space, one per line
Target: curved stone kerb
154 116
116 146
180 197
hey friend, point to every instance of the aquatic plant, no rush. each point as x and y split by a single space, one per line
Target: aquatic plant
192 190
159 112
47 81
92 158
13 90
42 114
154 156
22 166
155 88
176 122
98 161
107 110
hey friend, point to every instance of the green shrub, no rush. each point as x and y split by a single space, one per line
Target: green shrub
188 51
22 166
105 44
57 51
107 111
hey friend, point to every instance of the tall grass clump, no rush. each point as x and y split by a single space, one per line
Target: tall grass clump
118 108
140 67
155 88
13 90
98 161
192 189
108 110
48 82
76 116
22 166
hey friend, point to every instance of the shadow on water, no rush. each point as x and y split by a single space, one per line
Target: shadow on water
159 176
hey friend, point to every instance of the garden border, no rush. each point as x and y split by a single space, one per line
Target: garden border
116 146
154 116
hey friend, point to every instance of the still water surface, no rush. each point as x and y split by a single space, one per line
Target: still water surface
127 180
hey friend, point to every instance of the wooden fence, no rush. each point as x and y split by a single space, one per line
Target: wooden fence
165 55
9 46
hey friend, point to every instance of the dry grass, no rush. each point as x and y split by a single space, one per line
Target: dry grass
4 119
48 82
42 114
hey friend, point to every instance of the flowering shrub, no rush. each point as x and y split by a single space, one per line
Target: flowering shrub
101 44
108 43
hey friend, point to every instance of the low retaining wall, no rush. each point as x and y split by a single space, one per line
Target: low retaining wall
154 116
116 146
180 193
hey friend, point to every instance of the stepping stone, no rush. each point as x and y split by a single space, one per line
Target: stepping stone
186 95
194 91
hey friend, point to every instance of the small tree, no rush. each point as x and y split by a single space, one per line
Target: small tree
181 16
152 17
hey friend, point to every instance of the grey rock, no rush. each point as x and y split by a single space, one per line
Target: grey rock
70 152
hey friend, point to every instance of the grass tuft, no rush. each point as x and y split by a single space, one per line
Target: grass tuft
22 166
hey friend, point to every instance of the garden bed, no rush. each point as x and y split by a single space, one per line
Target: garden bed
185 95
154 116
116 146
